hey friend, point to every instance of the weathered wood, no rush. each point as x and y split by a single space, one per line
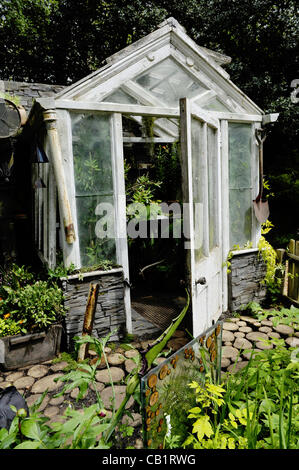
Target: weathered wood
286 279
88 318
296 293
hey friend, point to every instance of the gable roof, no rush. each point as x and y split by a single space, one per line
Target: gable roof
167 54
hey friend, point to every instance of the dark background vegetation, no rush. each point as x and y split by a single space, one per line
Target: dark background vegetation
61 41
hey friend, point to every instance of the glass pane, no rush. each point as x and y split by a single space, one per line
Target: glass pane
240 197
120 96
165 395
212 175
94 186
198 185
169 82
240 213
239 155
213 105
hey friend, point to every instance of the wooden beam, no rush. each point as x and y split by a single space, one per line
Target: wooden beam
88 318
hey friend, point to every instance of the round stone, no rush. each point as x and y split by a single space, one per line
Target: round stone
242 343
266 323
227 336
273 334
120 392
292 341
239 334
131 353
257 324
262 345
229 352
135 420
256 336
236 367
6 384
228 343
56 401
265 329
284 330
14 376
138 444
253 352
116 373
159 360
241 323
234 319
38 371
228 326
24 382
130 365
32 399
245 329
297 334
1 379
75 393
107 350
116 359
59 366
225 362
98 386
51 411
47 383
247 319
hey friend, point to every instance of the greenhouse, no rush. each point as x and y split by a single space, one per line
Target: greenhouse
160 126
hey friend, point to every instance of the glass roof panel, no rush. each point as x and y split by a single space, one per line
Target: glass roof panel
213 105
169 82
120 96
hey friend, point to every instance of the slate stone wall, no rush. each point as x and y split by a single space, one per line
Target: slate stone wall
247 272
27 92
110 312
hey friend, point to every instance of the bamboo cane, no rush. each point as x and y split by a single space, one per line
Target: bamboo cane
88 318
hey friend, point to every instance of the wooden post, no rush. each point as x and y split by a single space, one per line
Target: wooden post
291 270
88 318
280 258
296 293
64 204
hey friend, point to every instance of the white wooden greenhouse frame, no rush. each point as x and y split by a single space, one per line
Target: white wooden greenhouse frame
206 103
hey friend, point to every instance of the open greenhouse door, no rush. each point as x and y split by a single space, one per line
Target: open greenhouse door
201 179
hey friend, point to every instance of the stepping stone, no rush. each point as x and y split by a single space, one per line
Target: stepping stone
101 365
1 379
228 326
241 323
178 334
262 345
254 353
229 352
51 411
92 353
98 386
145 344
265 329
138 444
234 319
257 324
14 376
130 365
33 399
120 392
107 350
239 334
38 371
284 330
256 336
225 362
242 343
273 334
245 329
228 343
297 334
131 353
159 360
24 382
233 368
59 366
248 319
75 393
117 375
136 420
266 323
116 359
56 401
6 384
292 341
119 350
227 336
47 383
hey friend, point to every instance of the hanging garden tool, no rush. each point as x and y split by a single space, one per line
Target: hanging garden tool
261 207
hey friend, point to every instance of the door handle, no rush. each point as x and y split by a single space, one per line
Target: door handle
201 280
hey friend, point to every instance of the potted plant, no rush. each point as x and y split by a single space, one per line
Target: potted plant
30 314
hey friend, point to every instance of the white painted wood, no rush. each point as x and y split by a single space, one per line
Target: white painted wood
225 210
118 108
52 219
256 226
204 116
45 173
156 140
236 117
120 209
206 298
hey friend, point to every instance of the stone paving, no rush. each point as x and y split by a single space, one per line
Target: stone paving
238 334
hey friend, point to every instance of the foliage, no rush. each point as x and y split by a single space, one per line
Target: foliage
27 306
